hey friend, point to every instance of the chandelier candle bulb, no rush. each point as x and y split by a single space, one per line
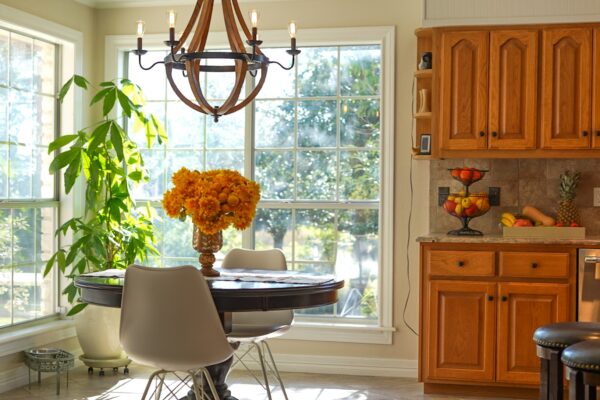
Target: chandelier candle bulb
141 27
172 19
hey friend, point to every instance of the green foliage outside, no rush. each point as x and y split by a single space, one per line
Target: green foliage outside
113 232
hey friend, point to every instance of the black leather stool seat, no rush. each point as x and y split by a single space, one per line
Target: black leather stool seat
583 355
564 334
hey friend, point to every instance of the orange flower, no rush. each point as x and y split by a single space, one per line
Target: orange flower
214 199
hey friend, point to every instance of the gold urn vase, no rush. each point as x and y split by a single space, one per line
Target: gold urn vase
207 246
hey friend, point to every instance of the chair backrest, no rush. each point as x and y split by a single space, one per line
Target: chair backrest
169 319
271 259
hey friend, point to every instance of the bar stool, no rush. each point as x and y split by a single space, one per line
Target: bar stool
583 362
550 342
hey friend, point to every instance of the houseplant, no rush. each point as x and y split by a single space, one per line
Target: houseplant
215 200
111 232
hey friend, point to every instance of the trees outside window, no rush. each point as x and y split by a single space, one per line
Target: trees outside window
313 142
28 198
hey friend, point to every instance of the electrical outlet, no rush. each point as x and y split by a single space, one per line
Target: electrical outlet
597 197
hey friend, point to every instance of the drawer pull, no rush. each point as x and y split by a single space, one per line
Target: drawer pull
460 263
490 298
504 298
584 133
597 133
482 133
534 265
494 134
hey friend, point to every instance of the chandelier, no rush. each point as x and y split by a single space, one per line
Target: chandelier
191 61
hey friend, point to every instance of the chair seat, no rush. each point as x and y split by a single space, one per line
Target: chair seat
255 332
564 334
583 355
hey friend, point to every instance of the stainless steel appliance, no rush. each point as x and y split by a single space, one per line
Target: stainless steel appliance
588 300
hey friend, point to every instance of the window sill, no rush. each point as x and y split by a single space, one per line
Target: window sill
21 339
347 333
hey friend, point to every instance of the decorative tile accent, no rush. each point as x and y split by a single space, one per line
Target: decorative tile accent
522 182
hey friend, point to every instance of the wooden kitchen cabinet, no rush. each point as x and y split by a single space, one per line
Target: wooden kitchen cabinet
596 91
566 88
480 304
488 85
464 89
513 89
523 307
462 318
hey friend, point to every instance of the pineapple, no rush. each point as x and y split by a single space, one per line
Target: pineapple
567 212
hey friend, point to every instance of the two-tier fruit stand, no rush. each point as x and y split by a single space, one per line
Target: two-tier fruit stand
465 205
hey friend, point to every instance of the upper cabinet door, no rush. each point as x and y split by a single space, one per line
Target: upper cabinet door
513 89
464 90
566 88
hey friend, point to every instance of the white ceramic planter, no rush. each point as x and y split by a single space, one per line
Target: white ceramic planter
98 333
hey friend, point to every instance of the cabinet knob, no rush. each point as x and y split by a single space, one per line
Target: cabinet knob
490 298
482 133
460 263
504 298
494 134
597 133
534 265
584 133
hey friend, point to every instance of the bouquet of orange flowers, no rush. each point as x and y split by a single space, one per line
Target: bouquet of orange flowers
215 199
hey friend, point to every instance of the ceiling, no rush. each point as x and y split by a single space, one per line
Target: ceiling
146 3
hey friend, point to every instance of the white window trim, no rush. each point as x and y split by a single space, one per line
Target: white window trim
21 337
116 46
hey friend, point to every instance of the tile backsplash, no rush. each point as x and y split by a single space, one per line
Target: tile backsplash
522 182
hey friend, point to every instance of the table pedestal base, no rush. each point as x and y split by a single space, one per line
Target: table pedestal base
218 372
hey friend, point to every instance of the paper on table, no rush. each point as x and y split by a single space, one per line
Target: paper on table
107 273
274 276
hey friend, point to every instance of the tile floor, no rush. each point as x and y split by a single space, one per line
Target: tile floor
299 387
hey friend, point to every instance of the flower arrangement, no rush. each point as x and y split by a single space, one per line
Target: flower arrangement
215 199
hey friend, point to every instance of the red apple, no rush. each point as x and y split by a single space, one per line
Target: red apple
455 173
466 175
471 210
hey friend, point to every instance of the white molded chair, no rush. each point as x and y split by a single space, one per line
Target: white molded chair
169 322
256 327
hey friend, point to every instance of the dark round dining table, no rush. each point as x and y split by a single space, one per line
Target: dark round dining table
229 296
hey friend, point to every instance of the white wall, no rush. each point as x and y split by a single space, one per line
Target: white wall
480 12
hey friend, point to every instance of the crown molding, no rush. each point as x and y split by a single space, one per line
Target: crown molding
151 3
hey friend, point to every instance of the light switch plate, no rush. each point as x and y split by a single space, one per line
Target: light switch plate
597 197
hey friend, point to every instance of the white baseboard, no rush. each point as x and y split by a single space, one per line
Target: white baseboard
342 365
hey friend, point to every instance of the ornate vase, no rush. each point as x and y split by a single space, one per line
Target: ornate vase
207 245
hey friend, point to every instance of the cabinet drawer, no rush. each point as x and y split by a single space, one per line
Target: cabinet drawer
460 263
534 265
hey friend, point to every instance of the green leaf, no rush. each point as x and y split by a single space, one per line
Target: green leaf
60 142
109 102
64 90
136 176
64 159
61 260
72 172
107 84
99 135
117 141
77 308
50 264
70 291
160 129
124 102
81 81
86 163
100 95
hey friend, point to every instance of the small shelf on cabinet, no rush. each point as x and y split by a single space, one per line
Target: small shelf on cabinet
422 157
424 73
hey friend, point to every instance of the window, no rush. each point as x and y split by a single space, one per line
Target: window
314 142
28 196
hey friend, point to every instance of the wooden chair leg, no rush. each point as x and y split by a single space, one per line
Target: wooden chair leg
544 377
576 386
556 389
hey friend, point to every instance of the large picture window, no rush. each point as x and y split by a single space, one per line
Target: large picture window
312 141
28 196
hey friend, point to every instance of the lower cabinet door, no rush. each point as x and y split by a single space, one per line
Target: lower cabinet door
462 322
522 308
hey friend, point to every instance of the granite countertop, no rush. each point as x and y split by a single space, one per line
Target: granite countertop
444 238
